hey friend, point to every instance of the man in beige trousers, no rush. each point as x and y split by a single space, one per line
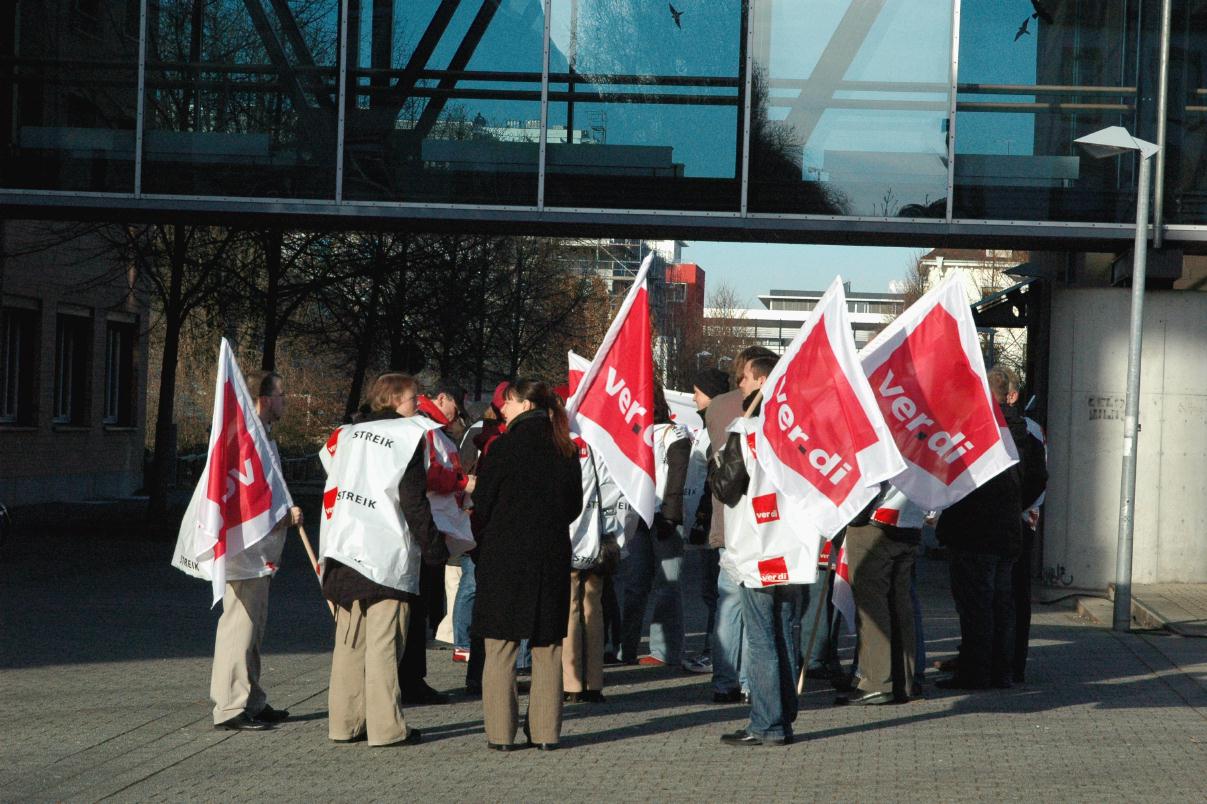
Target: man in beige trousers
240 703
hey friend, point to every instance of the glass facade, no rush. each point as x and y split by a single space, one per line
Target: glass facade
69 95
644 107
848 108
241 98
898 113
443 101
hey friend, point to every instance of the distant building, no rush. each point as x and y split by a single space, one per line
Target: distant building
73 366
784 312
982 272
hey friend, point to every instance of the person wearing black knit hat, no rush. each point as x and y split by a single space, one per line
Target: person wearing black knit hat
708 383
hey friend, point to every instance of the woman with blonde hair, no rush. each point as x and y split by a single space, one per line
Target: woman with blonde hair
527 495
377 529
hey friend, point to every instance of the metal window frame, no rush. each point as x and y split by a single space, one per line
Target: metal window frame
342 99
141 101
952 92
544 136
744 190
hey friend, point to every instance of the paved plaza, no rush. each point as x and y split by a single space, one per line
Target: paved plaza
104 673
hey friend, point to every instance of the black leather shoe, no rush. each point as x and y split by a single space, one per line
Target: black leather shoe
414 737
733 696
424 695
864 698
270 715
546 746
241 722
505 746
743 737
592 696
571 697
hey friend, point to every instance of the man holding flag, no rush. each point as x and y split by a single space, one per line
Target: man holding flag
233 534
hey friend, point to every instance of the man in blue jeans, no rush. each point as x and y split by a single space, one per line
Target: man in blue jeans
771 607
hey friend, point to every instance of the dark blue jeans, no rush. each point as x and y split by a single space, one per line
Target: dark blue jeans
463 606
772 618
981 588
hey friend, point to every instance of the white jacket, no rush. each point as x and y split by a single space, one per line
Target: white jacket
768 540
600 518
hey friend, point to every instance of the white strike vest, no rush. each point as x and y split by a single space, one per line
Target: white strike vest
767 539
363 526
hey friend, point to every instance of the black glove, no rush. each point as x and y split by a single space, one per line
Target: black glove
436 552
609 558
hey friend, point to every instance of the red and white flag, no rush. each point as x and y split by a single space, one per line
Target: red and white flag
579 366
844 596
613 406
241 494
930 384
822 439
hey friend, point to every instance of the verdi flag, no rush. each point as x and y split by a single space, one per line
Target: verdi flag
821 438
930 384
844 596
613 406
579 366
241 495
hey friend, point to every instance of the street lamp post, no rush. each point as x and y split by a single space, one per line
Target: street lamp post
1113 141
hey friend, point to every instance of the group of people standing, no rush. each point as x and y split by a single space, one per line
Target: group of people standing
557 572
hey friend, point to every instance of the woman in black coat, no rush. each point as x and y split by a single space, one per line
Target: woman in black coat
527 495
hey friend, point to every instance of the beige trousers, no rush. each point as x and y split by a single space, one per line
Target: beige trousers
364 695
500 697
583 647
235 677
452 580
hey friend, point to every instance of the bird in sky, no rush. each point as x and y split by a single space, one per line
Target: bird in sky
1041 13
1022 29
675 15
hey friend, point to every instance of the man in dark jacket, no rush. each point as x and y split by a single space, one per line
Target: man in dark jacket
983 536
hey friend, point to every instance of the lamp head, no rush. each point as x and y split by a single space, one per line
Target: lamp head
1113 141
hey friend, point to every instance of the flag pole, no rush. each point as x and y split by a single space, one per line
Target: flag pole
804 665
314 562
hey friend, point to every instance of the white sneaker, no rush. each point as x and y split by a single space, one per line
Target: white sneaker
698 664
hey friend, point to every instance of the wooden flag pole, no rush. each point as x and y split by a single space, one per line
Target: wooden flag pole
825 591
314 562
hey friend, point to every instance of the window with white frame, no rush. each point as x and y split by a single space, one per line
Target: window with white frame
18 365
120 337
72 346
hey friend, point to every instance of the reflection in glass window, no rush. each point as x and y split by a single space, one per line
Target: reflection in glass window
1186 135
444 101
1032 79
68 95
241 98
645 104
849 107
